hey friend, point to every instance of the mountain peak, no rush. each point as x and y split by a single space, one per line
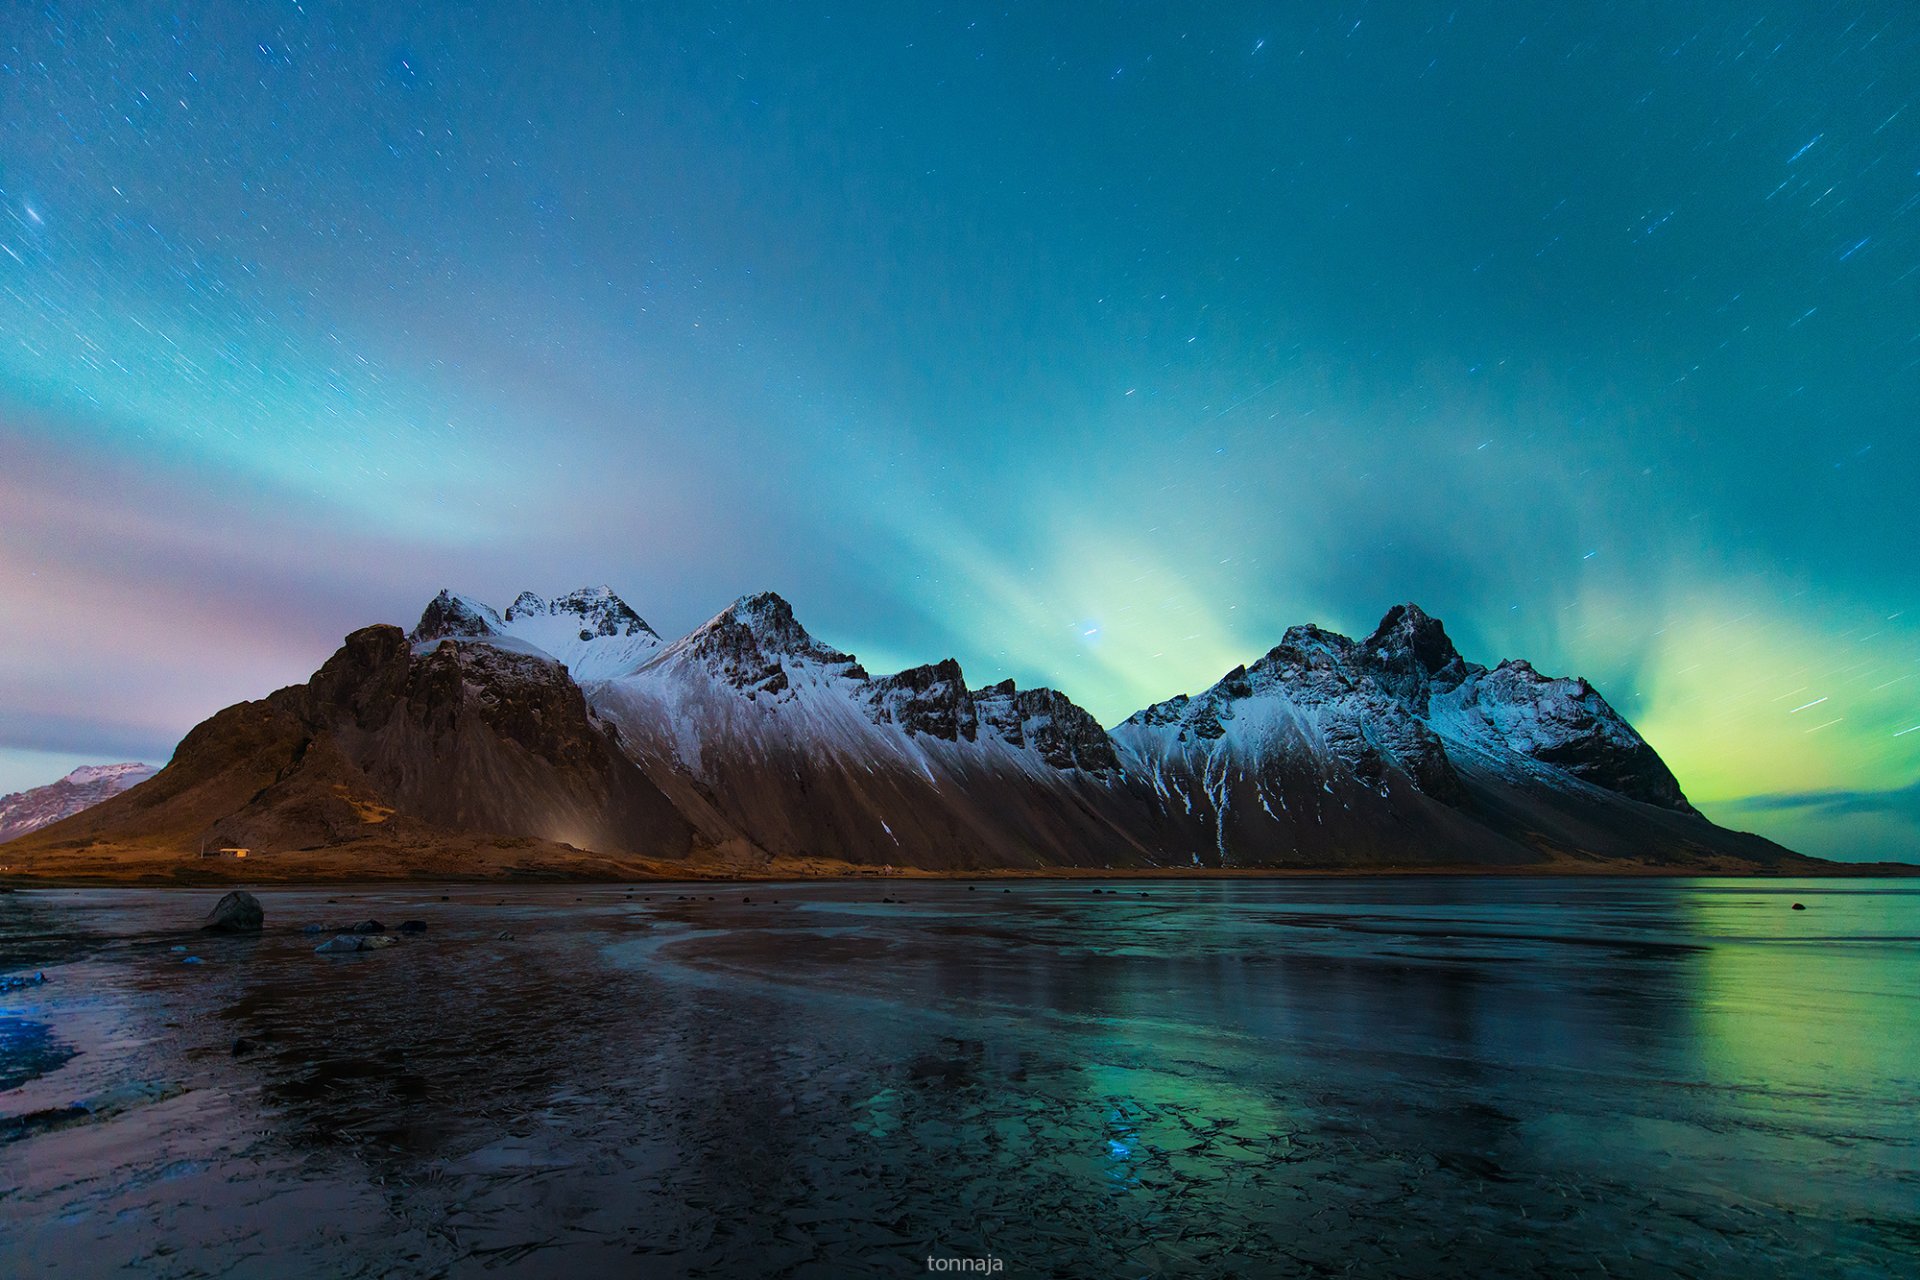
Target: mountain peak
599 611
526 605
1411 621
753 643
448 614
1310 640
1411 652
591 631
768 618
1048 723
763 609
602 612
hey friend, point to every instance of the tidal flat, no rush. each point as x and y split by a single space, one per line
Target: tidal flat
1411 1077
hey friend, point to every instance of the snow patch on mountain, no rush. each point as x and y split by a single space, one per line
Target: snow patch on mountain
592 631
748 678
30 810
752 681
1405 701
126 775
1309 700
1319 725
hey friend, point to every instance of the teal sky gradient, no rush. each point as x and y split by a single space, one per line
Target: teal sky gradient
1094 353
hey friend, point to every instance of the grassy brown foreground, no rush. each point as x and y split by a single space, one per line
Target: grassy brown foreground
508 859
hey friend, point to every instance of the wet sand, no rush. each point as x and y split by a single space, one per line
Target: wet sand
1415 1076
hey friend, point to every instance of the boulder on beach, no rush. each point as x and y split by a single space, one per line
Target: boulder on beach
342 944
237 912
368 926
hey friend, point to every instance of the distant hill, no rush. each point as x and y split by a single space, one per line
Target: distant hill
26 811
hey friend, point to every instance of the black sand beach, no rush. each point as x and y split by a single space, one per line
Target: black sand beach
1410 1077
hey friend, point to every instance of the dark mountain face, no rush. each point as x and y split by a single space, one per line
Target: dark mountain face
1050 723
1409 655
392 741
751 735
470 736
932 700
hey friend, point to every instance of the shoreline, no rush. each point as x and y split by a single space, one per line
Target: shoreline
15 882
1513 1051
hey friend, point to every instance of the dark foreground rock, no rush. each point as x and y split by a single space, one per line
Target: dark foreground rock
345 943
237 912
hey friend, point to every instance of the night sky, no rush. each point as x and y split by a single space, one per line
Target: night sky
1093 346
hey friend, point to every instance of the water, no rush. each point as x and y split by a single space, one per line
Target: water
1393 1077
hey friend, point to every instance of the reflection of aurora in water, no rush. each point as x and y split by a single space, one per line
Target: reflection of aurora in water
1408 1077
1761 1018
27 1049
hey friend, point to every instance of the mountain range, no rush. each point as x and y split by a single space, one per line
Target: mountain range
568 737
30 810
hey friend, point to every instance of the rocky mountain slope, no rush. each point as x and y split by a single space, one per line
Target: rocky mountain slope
1333 751
749 743
38 807
758 730
397 745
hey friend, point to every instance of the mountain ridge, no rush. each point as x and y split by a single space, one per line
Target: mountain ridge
24 812
750 740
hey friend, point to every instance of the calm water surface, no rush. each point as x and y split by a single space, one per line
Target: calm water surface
1423 1077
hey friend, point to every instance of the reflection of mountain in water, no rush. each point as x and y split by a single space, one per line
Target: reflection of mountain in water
1196 1078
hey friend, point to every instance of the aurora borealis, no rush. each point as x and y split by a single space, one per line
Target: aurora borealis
1092 352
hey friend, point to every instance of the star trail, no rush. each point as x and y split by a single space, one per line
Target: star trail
1092 350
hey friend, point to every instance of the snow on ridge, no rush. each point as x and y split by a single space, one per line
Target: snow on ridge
450 614
754 670
1403 697
89 773
591 631
27 811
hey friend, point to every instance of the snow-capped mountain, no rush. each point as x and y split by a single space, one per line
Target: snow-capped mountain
758 728
749 742
1327 743
592 631
30 810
